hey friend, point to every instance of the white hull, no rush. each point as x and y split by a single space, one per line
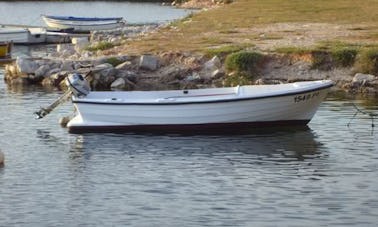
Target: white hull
15 35
244 106
83 26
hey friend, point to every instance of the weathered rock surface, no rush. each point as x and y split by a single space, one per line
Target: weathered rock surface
149 62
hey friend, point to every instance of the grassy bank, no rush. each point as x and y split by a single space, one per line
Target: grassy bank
234 25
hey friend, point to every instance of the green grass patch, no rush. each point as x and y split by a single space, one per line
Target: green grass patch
336 44
344 57
237 79
101 46
367 61
243 61
225 50
327 55
113 61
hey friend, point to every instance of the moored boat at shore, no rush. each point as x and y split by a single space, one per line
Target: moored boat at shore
83 24
213 109
13 34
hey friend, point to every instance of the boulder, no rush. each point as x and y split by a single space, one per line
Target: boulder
213 64
55 79
194 77
210 68
173 73
67 66
64 47
218 73
42 70
102 66
124 66
53 71
108 72
67 54
26 66
118 84
149 62
129 75
11 69
80 43
360 78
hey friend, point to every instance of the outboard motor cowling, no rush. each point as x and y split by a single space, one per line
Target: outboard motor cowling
78 85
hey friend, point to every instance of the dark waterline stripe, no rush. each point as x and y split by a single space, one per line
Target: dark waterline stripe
213 128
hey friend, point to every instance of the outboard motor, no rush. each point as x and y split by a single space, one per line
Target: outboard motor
78 85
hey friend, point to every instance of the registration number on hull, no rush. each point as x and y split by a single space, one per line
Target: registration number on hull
306 97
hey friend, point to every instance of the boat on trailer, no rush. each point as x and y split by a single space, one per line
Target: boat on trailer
198 110
83 24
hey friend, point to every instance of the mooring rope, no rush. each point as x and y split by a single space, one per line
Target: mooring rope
358 110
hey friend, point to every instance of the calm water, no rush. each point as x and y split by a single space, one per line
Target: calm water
29 13
323 175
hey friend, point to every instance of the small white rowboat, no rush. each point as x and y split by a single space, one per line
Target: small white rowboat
201 110
83 24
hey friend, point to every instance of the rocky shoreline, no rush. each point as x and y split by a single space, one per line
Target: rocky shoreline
171 70
168 70
114 70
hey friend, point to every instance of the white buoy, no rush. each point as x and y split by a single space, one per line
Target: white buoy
1 159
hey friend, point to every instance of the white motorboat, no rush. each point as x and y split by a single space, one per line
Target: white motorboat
83 24
198 110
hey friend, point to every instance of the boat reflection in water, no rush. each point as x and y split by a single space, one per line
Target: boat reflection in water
281 145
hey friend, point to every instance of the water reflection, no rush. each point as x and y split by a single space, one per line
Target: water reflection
274 145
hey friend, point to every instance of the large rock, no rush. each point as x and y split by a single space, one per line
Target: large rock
149 62
211 68
65 50
80 43
64 47
55 79
101 67
173 73
67 66
26 66
42 70
129 75
219 73
361 78
124 66
213 64
118 84
53 71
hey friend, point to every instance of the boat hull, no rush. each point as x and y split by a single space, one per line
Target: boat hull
15 35
230 112
82 25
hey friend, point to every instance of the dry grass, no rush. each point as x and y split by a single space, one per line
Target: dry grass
233 24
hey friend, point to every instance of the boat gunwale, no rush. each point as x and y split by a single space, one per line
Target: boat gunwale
237 99
71 18
86 25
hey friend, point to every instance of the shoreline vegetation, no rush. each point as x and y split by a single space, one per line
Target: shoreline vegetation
237 42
